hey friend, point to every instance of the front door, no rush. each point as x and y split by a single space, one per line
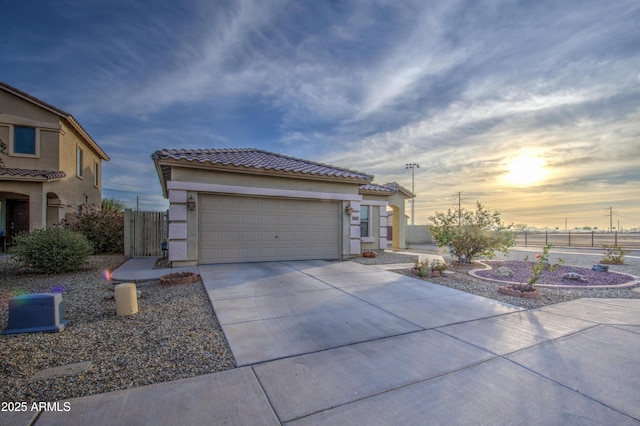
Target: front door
17 217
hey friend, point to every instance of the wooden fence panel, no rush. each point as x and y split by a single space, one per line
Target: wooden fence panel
144 233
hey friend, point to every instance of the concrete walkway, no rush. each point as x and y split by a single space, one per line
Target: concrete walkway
140 269
343 343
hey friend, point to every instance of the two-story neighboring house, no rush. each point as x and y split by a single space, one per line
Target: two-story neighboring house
51 165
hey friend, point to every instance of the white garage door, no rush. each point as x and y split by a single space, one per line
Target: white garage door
254 229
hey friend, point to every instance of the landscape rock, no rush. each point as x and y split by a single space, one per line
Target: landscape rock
574 276
504 272
179 278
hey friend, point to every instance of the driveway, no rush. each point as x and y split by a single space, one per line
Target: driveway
282 309
342 343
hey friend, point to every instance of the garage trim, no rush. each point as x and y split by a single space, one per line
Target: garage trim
255 191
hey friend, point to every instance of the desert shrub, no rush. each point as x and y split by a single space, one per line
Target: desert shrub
469 233
103 228
614 254
52 250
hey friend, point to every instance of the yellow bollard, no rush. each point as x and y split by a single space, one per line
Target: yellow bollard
126 299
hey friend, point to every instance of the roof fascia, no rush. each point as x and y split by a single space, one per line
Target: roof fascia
60 113
258 172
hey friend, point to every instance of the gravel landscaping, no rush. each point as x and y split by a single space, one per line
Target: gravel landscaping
581 276
174 335
457 277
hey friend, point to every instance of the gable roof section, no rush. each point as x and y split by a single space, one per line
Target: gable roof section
251 161
30 174
60 113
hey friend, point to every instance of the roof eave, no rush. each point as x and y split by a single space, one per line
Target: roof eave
194 164
93 144
11 178
163 183
60 113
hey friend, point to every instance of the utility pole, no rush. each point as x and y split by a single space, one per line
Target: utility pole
459 208
413 167
611 219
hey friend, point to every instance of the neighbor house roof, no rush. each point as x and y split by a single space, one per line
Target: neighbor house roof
62 114
252 161
31 174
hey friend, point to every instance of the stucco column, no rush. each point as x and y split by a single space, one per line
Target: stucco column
37 208
177 245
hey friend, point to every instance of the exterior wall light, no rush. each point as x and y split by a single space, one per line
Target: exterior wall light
191 203
349 210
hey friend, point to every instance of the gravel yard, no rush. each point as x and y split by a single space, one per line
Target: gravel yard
459 279
174 335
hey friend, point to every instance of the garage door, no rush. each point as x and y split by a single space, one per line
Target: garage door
255 229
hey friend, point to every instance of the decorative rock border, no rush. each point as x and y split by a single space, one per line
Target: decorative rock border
179 278
519 293
636 280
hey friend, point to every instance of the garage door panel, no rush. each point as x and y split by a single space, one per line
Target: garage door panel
228 219
228 254
245 229
250 219
304 220
268 219
249 252
248 236
230 236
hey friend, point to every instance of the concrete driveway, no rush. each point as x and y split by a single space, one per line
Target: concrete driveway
341 343
282 309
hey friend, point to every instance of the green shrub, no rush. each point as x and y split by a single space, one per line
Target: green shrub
103 228
613 254
469 234
52 250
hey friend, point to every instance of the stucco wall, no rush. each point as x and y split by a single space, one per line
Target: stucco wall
257 181
77 190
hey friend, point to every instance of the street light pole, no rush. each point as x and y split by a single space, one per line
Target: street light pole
413 167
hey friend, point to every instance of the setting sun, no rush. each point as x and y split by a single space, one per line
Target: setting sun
525 171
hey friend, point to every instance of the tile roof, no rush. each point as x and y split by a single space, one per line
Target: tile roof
387 188
374 187
258 159
30 173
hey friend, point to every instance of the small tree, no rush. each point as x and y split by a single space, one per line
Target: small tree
469 234
112 205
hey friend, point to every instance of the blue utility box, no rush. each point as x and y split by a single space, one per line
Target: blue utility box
31 313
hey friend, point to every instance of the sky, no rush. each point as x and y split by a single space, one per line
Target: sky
531 108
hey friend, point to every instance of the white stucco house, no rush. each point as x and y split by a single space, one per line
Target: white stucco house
249 205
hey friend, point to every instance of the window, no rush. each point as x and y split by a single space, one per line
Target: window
364 221
24 140
96 174
79 164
